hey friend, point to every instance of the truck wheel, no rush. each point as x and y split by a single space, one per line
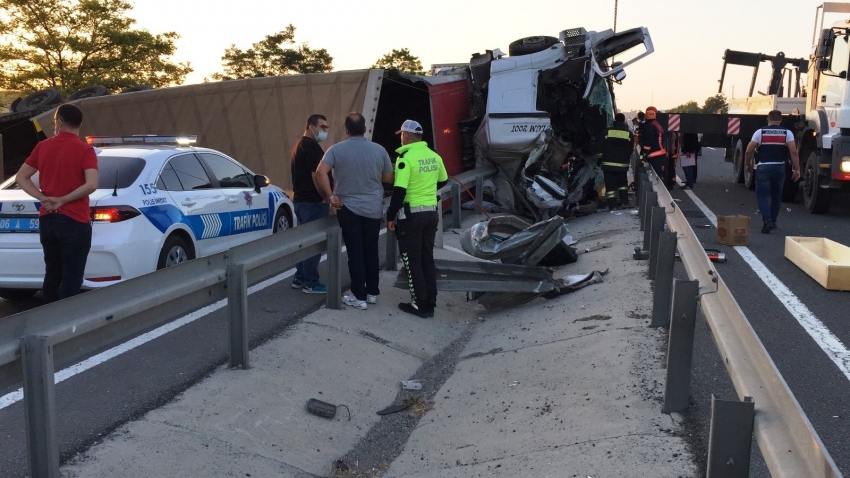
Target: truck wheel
174 251
817 200
13 108
17 294
738 163
750 179
790 188
89 92
529 45
40 99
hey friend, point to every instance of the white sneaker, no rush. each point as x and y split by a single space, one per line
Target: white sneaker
372 299
354 302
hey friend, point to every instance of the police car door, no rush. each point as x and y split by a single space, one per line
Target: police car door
202 207
249 211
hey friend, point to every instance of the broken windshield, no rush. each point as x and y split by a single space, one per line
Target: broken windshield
600 96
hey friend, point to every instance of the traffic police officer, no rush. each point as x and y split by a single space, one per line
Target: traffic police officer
413 215
616 156
652 143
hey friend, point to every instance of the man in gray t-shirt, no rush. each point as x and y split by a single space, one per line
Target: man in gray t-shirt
359 166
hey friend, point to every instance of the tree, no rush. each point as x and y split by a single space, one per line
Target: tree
400 60
716 103
689 107
71 44
268 58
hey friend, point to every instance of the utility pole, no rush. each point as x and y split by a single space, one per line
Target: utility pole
615 15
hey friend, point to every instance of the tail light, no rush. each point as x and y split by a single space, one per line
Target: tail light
113 213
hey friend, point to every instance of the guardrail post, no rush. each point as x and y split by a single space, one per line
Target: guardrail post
392 251
730 438
656 225
662 292
40 407
237 306
438 241
650 201
334 299
680 349
455 205
479 193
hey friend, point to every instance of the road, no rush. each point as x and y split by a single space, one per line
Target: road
820 386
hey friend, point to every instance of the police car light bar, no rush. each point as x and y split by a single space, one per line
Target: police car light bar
141 139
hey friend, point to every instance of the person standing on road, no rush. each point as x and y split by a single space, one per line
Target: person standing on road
774 144
67 170
308 202
413 215
616 155
652 143
360 166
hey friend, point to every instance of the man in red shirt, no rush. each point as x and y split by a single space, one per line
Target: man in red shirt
67 170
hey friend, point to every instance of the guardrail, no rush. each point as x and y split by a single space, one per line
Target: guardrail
62 333
768 410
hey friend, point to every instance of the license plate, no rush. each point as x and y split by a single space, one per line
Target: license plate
18 225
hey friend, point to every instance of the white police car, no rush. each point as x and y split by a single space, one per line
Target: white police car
159 202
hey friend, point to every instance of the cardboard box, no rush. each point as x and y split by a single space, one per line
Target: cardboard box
733 230
827 262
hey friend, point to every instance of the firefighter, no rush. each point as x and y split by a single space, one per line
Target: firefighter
413 215
616 155
652 143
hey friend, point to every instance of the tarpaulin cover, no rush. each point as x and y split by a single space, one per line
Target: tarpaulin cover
255 121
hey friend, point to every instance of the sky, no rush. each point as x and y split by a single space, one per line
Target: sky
689 36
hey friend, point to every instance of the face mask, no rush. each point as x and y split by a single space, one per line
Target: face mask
321 136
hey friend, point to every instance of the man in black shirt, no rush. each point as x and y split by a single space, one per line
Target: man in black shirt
309 205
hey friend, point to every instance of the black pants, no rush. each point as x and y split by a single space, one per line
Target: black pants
66 245
361 236
416 243
616 188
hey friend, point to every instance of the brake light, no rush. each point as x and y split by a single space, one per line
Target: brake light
113 213
841 176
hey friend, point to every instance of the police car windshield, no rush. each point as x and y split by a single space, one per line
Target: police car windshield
118 172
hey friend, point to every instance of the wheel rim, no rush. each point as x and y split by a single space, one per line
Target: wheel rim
737 165
176 255
282 223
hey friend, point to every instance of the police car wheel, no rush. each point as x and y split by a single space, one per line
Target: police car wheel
281 221
175 251
17 294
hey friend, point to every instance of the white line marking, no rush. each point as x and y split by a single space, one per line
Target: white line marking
64 374
826 340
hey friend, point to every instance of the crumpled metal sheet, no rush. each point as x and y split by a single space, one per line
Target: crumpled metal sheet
513 239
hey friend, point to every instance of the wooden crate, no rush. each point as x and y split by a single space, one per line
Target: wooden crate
827 262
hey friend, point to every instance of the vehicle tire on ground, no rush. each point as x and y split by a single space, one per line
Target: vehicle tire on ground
89 92
17 294
790 188
282 220
529 45
738 163
13 108
47 97
817 200
133 89
750 179
174 251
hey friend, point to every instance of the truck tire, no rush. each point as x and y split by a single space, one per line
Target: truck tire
750 179
790 188
89 92
738 163
817 200
13 108
40 99
529 45
136 88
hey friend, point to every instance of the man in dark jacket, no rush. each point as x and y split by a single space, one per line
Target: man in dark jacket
652 143
615 162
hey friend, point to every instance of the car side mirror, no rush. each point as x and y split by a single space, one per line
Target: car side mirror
260 182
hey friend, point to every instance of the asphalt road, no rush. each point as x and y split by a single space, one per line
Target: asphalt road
821 388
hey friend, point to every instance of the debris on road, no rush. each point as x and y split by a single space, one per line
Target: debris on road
411 385
324 409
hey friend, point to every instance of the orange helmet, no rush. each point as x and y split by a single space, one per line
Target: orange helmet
651 112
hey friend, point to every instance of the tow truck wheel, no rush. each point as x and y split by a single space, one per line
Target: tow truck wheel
17 294
174 251
529 45
817 200
738 163
282 221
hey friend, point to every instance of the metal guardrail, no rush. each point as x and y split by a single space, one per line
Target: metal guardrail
790 445
62 333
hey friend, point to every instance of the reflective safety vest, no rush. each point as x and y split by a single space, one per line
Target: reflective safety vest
772 147
617 151
652 139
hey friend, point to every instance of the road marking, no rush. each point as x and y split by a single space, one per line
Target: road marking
826 340
64 374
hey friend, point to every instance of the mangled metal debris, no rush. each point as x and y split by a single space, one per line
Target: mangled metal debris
514 240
